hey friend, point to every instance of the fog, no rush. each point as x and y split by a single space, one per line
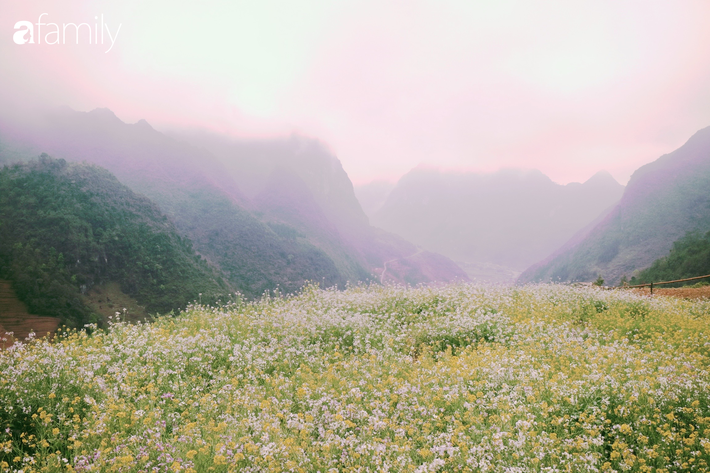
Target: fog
566 88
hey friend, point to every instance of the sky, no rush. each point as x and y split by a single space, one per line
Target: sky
569 88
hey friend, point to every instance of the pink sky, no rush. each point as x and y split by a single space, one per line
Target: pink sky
569 88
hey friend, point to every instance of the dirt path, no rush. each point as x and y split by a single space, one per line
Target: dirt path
680 292
15 318
384 270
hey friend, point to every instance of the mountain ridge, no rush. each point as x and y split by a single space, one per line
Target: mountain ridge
202 196
494 224
663 200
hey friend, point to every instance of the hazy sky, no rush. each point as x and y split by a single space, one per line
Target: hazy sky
567 87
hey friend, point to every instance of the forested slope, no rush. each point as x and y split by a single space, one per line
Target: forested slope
65 227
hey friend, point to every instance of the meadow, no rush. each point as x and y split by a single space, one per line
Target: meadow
454 378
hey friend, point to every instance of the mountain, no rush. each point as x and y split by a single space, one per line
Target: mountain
191 187
299 182
492 225
68 229
296 218
296 182
663 201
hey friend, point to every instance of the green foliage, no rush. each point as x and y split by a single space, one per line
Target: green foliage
586 309
689 257
253 256
67 227
454 342
285 231
636 309
599 282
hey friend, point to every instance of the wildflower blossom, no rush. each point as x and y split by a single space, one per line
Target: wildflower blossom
453 378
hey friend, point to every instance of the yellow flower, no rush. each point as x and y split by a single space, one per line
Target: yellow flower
425 452
625 429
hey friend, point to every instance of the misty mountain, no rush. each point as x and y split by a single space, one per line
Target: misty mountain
251 164
493 225
299 182
190 186
663 201
297 221
67 229
295 183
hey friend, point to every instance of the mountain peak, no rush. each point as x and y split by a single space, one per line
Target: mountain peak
602 178
142 124
104 114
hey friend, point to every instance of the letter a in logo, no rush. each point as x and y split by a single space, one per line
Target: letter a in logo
20 36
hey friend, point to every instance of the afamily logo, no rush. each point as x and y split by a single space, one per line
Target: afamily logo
51 33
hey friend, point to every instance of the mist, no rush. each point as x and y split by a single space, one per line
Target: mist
566 89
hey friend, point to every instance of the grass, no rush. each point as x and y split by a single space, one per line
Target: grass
456 378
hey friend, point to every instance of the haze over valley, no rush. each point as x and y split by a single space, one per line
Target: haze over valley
493 225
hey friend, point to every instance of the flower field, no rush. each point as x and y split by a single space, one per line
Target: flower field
455 378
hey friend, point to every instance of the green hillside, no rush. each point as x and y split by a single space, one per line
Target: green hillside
295 220
689 257
65 228
254 256
193 190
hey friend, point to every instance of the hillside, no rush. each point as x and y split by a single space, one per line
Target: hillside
663 201
268 235
299 182
190 186
689 257
68 228
493 225
16 323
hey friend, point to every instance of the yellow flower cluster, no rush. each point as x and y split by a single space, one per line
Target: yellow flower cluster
455 378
